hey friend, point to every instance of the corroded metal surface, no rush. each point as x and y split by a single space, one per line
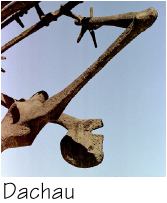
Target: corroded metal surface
45 21
25 118
15 6
79 147
4 3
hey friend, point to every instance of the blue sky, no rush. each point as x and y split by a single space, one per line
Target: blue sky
128 94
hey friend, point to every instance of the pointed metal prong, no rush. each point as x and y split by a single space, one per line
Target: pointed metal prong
39 11
91 12
19 21
83 30
92 33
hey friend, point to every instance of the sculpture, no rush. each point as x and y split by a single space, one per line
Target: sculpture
25 118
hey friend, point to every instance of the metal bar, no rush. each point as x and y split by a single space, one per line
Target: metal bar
15 6
119 20
58 102
43 22
4 3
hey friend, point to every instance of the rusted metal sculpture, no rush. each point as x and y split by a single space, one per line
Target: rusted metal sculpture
25 118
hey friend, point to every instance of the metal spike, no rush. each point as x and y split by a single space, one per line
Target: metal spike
39 11
83 30
91 12
19 21
92 33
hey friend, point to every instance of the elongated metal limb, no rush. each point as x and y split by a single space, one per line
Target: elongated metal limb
15 6
4 3
33 114
119 20
39 11
62 99
13 17
48 18
38 112
17 10
14 10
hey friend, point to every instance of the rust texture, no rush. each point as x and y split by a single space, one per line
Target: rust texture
45 21
4 3
15 6
80 147
18 130
25 118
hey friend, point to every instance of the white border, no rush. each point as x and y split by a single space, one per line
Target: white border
138 190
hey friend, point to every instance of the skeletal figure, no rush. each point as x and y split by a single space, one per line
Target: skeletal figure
79 147
25 119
